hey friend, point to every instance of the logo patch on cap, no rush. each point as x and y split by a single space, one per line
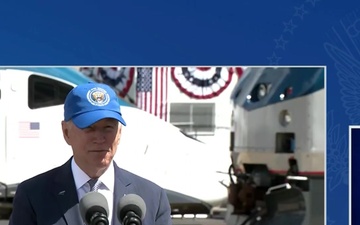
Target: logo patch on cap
98 97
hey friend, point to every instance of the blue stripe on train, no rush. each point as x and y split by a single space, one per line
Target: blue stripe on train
65 73
303 81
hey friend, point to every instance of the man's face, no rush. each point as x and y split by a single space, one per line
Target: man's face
93 147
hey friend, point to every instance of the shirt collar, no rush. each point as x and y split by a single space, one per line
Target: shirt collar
81 178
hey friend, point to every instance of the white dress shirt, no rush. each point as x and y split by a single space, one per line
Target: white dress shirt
106 188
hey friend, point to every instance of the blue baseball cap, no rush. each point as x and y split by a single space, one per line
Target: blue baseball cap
90 102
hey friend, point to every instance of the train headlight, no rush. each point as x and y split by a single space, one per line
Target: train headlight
261 91
287 92
285 118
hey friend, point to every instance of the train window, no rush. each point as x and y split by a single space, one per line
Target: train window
45 92
285 143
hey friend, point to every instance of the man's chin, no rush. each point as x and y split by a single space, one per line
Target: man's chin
103 162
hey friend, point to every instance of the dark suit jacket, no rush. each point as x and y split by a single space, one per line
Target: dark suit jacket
51 198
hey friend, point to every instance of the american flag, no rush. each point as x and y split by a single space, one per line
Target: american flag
152 90
29 129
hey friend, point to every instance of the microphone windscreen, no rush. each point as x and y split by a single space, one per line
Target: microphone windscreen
91 203
131 202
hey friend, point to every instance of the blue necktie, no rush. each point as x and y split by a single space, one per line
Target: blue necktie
94 184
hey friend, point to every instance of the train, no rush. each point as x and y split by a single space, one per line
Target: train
277 147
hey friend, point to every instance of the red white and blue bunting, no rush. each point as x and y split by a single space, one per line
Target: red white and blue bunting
203 82
120 78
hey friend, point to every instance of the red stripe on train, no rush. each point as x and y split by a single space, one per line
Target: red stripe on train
301 173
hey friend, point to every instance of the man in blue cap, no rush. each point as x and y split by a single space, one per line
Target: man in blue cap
92 127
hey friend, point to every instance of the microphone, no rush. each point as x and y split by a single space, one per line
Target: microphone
131 210
94 209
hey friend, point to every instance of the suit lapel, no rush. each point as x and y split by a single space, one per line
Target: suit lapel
122 187
66 194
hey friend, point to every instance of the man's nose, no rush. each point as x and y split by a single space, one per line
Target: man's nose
99 136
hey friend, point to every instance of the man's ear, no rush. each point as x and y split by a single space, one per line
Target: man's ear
66 126
119 135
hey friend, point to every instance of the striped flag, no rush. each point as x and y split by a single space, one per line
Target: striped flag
152 90
29 129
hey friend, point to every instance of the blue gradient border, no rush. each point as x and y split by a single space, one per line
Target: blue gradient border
188 32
